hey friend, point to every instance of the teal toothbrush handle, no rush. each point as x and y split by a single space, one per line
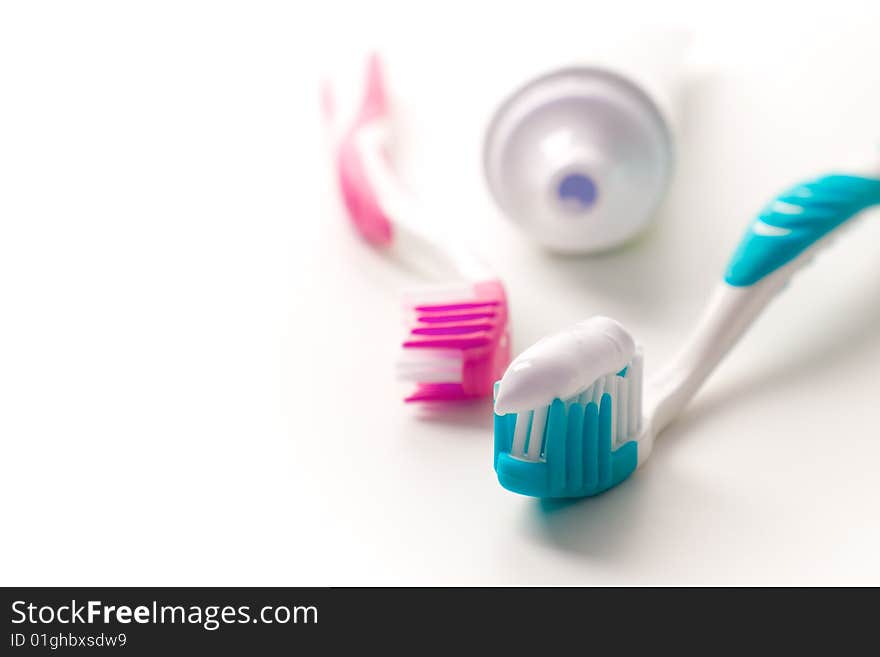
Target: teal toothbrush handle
768 255
797 219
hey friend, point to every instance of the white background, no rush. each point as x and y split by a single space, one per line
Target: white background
196 352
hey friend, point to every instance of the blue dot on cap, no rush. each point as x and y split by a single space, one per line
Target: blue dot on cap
577 191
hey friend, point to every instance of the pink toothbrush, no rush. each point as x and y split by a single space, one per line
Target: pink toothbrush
458 343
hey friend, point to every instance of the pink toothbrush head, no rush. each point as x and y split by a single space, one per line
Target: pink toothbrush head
458 345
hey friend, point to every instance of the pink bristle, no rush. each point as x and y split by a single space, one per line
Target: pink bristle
433 342
437 319
438 392
464 305
480 335
452 329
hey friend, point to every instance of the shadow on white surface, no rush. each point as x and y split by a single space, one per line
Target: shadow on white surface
614 527
475 414
602 528
849 332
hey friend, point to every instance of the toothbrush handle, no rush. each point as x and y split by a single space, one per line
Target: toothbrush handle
358 193
780 241
377 203
795 221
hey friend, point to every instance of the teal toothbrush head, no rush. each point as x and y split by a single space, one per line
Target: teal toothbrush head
573 417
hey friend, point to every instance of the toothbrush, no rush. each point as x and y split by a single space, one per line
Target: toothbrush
457 343
569 416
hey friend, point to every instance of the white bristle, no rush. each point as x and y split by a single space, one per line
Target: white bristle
632 422
520 433
626 412
432 364
430 376
598 390
438 294
429 366
611 383
626 400
623 410
637 368
611 389
536 436
586 396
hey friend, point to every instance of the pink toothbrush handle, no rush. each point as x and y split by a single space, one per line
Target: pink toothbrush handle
358 194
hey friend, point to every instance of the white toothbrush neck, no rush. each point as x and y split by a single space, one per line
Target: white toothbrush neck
728 315
415 241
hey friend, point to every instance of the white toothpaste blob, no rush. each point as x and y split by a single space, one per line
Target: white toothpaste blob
564 364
